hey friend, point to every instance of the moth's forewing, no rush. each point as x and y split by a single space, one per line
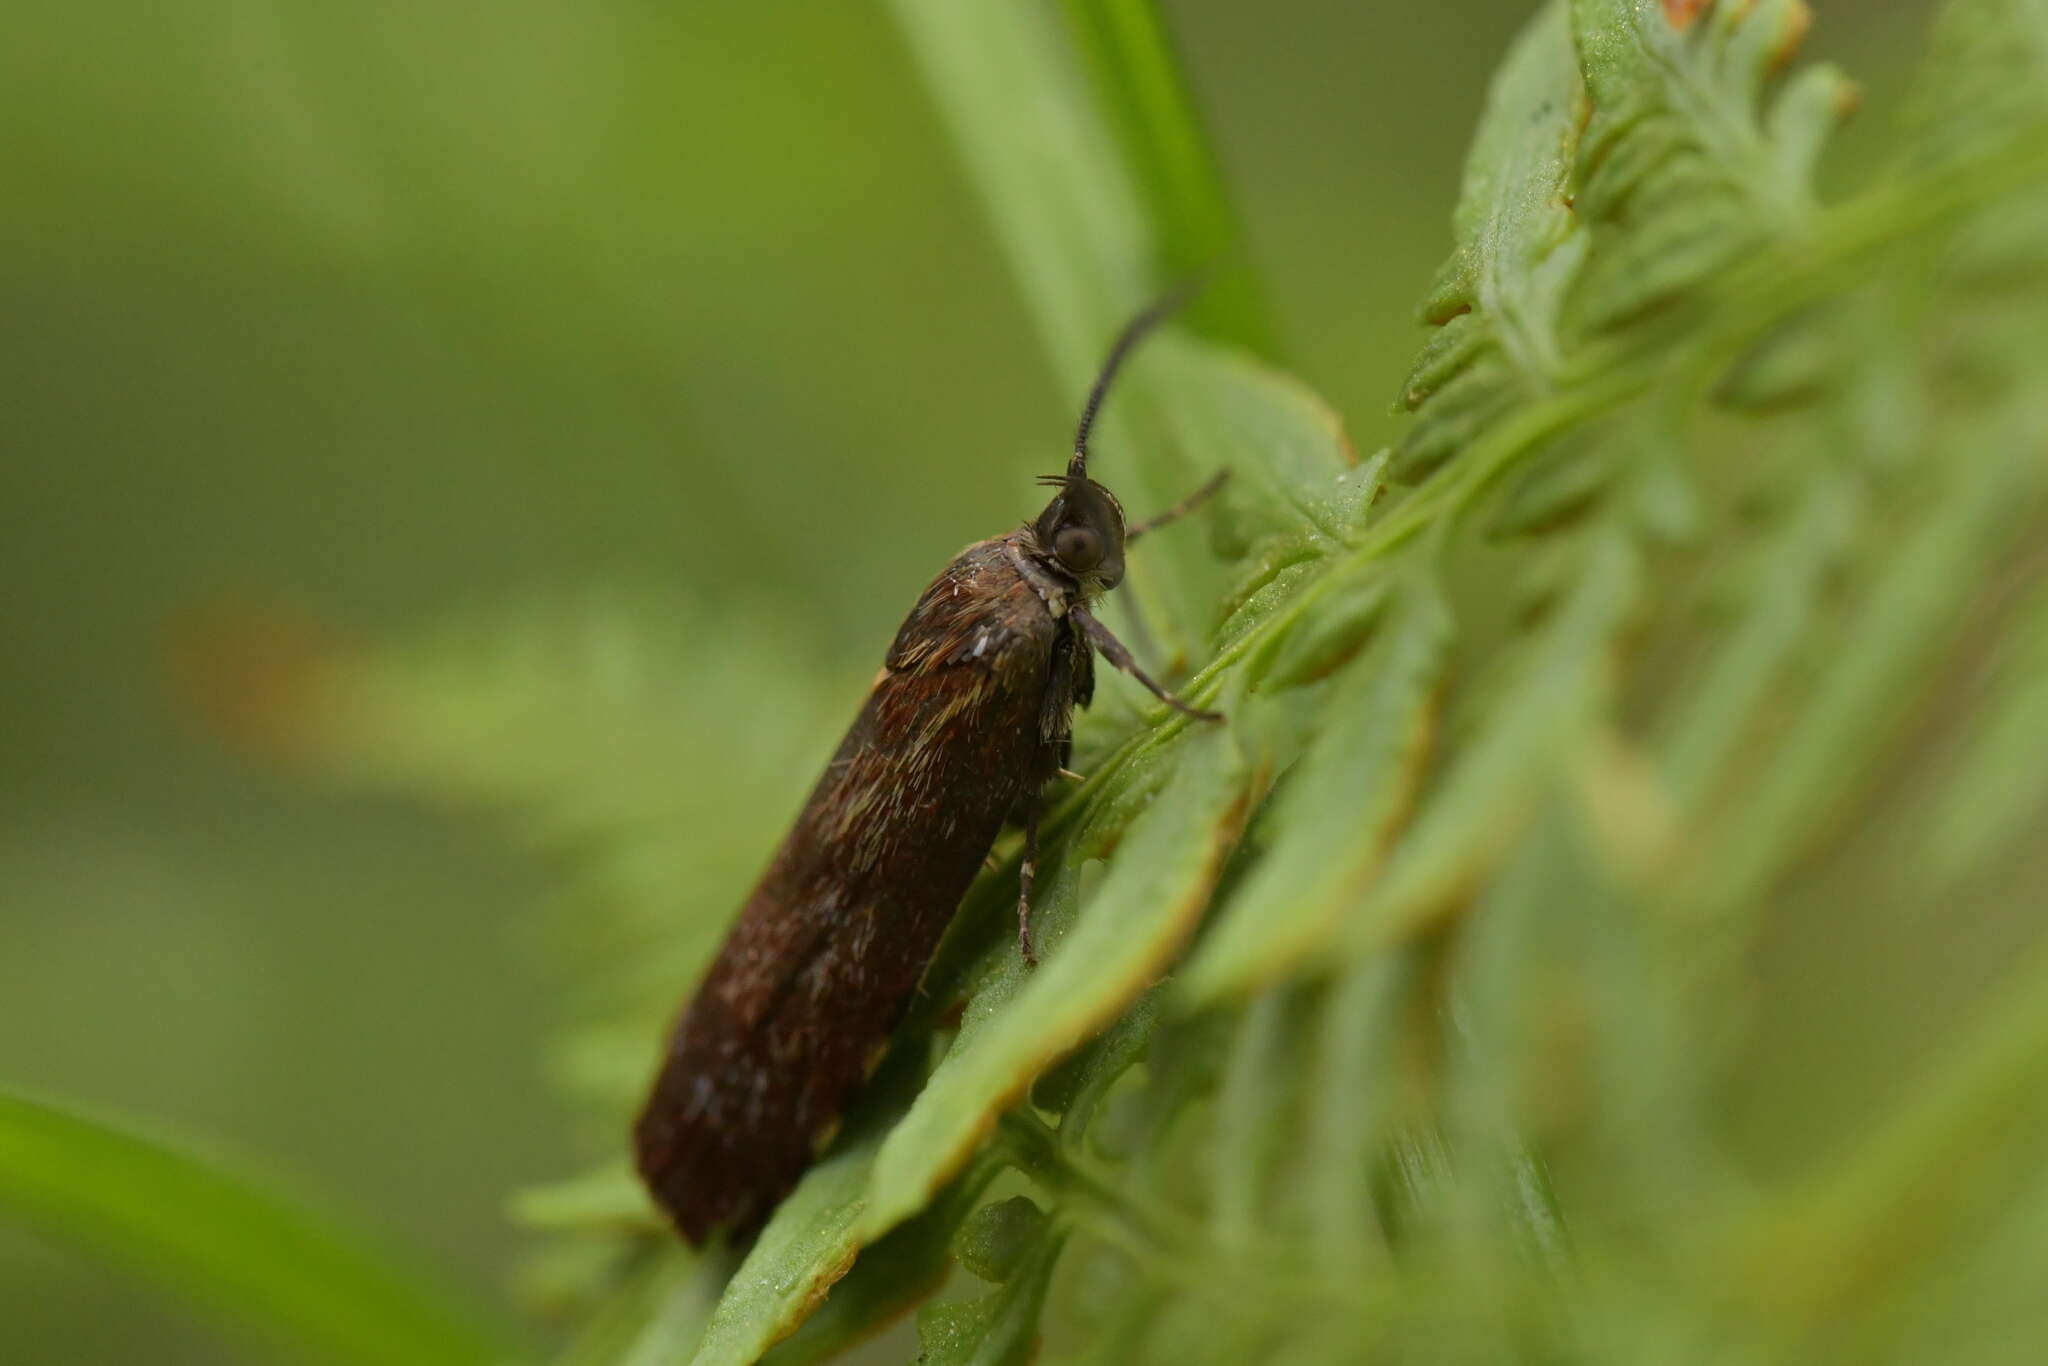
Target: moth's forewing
968 717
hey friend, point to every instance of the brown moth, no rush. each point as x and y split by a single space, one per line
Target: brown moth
970 717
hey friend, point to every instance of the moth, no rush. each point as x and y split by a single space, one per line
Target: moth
970 717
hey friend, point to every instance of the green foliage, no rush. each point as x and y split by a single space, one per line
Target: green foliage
1406 1016
255 1261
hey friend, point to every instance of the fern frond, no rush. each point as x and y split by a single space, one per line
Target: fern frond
1703 595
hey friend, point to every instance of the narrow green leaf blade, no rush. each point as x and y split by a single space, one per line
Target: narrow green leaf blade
1338 812
1480 802
252 1260
1146 100
1046 165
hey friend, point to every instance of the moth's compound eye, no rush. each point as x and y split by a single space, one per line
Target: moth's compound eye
1079 548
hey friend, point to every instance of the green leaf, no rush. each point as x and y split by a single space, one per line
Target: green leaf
1352 1107
1000 1329
994 1242
814 1235
607 1196
1705 721
1493 780
1681 159
1284 447
891 1277
1690 92
1071 221
256 1262
1259 1082
1338 812
1147 102
1094 962
1518 248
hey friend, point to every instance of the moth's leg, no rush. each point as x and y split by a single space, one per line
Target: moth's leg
1026 871
1178 510
1113 650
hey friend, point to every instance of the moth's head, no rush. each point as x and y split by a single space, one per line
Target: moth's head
1081 531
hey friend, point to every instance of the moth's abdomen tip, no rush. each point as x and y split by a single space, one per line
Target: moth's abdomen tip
698 1207
710 1172
667 1160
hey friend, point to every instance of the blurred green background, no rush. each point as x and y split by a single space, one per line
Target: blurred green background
372 313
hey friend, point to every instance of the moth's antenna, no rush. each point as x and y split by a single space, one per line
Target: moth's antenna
1155 313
